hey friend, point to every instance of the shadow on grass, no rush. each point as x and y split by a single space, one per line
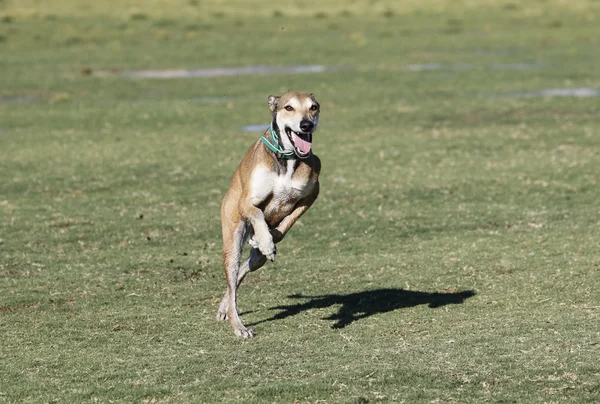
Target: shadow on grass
359 305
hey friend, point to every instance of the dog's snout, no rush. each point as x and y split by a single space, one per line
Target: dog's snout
306 125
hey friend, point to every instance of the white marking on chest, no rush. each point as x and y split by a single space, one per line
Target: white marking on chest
284 189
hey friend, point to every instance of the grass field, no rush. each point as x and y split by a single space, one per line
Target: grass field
453 254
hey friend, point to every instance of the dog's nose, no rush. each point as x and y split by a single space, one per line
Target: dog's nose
306 125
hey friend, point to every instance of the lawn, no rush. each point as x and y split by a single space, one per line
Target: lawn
453 254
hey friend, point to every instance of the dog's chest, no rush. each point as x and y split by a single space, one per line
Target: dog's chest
282 188
290 189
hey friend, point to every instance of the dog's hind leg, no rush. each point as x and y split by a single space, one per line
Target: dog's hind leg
255 261
229 258
252 263
233 239
233 244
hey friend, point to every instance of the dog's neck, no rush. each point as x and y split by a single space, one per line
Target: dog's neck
285 164
272 141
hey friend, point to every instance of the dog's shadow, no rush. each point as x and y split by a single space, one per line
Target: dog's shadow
359 305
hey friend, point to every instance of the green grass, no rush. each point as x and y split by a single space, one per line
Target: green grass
452 255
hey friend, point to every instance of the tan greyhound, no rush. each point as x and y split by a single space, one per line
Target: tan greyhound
276 182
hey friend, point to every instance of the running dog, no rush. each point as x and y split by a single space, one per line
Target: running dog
276 182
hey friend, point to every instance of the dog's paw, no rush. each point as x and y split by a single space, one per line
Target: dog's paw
269 251
265 245
244 332
222 312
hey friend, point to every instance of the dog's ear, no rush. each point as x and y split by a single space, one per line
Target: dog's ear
273 101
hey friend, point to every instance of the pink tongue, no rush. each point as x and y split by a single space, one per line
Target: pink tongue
302 145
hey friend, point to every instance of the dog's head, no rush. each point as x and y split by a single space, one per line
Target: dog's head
296 116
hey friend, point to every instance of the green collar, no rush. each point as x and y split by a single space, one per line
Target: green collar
275 147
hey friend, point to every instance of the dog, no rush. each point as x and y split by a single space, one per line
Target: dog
276 182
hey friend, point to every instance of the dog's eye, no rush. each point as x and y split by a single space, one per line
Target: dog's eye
314 107
289 108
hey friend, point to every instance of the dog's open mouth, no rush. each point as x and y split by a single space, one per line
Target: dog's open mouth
302 142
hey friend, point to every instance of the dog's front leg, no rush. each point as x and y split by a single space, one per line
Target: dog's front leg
279 232
262 240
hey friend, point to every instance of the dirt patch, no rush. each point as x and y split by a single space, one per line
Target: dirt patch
215 72
580 92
